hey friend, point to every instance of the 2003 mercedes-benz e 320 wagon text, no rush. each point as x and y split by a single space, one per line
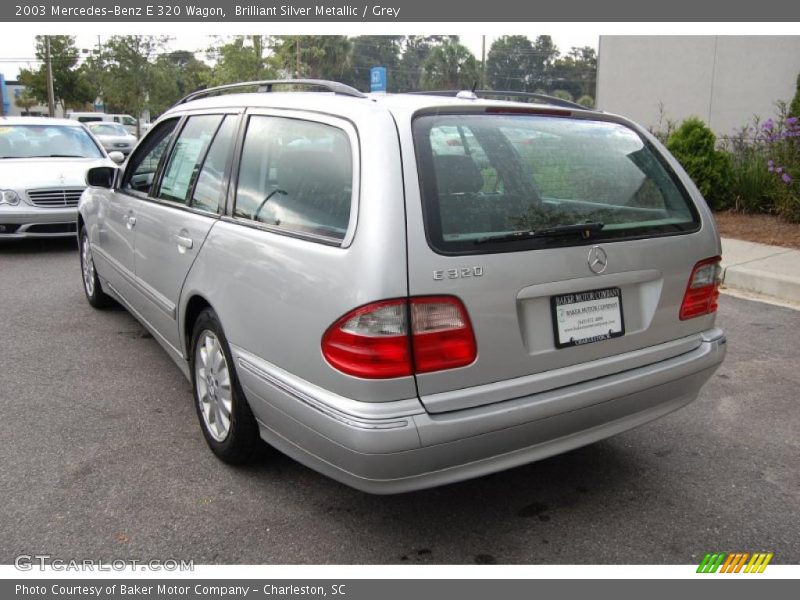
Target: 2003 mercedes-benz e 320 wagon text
402 291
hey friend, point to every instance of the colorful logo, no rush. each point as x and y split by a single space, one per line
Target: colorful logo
735 562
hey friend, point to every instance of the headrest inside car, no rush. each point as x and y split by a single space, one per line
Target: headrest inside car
457 175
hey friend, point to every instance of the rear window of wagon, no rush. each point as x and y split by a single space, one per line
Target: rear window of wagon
488 180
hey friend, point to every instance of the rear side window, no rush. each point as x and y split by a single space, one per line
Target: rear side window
494 183
209 191
296 176
187 156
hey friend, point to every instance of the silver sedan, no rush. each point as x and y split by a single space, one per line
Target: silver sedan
113 136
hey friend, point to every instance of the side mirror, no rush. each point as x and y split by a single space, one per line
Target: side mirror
101 176
117 157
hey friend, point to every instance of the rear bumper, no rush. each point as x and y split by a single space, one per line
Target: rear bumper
394 447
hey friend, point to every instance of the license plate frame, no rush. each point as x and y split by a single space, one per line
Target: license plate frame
564 323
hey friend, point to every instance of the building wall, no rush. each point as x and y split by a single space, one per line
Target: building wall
724 80
14 89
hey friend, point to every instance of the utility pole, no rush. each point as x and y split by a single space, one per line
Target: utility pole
99 62
258 48
51 102
297 58
483 62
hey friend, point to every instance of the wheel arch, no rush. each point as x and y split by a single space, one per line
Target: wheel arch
194 306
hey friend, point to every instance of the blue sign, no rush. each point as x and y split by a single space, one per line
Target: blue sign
4 95
377 79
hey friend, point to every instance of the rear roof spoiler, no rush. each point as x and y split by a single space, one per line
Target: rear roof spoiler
499 94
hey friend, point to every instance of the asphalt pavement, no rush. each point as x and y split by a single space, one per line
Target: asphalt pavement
102 458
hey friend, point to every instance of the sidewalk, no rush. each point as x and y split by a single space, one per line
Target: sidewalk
757 268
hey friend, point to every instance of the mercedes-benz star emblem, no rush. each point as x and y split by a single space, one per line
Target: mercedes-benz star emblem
598 261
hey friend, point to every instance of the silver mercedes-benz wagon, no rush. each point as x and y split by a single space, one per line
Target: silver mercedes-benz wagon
402 291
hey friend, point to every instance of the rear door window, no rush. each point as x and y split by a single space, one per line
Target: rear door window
296 176
494 182
187 156
209 191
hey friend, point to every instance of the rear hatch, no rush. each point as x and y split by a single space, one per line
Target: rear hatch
568 237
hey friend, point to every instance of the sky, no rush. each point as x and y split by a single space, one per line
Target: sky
17 51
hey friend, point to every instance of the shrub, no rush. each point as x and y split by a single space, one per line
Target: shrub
794 107
782 138
694 145
586 101
563 94
665 126
752 188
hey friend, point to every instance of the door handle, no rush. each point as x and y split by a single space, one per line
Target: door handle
131 222
184 242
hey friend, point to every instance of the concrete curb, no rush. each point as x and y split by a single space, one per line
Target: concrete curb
761 269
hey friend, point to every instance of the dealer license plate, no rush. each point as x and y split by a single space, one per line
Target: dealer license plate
586 317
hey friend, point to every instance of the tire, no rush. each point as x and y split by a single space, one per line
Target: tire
91 283
216 390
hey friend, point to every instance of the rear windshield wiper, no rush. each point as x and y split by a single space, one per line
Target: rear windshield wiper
585 230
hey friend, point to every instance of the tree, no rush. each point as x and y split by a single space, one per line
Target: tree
175 75
542 64
70 88
125 72
26 100
510 63
415 51
450 66
373 51
243 58
313 56
577 72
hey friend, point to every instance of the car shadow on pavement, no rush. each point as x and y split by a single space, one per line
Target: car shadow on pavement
428 526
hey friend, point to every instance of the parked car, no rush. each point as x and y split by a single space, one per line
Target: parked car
337 279
113 137
126 121
43 165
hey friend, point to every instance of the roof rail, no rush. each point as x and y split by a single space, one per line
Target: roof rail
543 98
266 85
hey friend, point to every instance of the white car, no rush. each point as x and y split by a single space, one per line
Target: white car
113 137
43 165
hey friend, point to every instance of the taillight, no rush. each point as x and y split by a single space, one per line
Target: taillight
373 341
702 291
442 334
